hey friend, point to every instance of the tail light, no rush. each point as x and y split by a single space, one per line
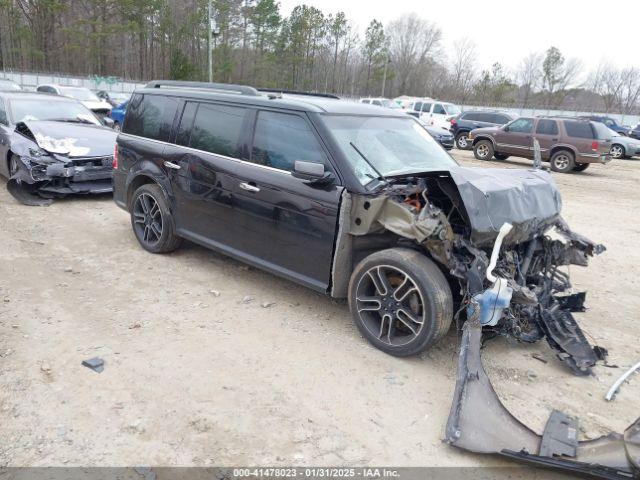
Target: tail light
594 145
115 157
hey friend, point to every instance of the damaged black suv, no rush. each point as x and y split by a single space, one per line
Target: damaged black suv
356 202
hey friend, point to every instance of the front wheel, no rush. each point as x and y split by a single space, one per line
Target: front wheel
483 150
462 141
400 301
152 221
562 161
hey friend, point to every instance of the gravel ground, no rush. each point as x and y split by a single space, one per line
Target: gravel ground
209 362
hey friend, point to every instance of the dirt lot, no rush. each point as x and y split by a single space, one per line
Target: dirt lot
208 362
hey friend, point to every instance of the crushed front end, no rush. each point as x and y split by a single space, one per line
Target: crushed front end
45 167
522 288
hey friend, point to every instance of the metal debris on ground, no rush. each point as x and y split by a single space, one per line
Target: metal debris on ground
96 364
618 383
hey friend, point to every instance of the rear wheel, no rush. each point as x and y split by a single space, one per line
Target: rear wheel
501 156
152 222
483 150
581 167
462 141
562 161
400 301
617 151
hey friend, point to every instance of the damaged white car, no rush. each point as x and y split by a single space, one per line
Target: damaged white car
51 147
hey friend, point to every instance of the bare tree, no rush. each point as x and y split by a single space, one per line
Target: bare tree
529 75
464 68
412 41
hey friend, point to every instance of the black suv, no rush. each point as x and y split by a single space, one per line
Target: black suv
351 200
463 123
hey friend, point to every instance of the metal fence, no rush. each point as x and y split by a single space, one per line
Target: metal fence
30 81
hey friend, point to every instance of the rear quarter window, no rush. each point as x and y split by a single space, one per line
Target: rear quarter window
578 129
150 116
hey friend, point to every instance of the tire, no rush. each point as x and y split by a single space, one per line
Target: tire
617 151
581 167
500 156
12 166
152 221
562 161
409 312
462 142
483 150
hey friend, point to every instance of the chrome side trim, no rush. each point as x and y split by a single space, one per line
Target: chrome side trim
245 162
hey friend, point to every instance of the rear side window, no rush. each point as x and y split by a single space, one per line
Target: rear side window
417 106
547 127
578 129
426 107
217 129
150 116
499 119
280 139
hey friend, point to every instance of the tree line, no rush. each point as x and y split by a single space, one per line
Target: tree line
309 50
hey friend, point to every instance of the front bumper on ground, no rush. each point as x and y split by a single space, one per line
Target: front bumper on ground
480 423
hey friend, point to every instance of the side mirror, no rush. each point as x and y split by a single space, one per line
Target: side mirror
108 122
505 128
312 173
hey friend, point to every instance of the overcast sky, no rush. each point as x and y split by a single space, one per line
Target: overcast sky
506 30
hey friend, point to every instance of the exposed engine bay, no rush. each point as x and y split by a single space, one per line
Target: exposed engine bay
459 217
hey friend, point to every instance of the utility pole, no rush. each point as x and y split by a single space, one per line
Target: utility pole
210 40
384 75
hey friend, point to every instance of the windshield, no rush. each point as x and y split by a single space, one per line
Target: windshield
31 109
390 146
82 94
452 109
9 85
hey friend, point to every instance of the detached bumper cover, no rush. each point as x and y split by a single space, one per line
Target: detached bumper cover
480 423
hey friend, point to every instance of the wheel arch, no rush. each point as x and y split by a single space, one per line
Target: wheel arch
484 137
556 148
146 173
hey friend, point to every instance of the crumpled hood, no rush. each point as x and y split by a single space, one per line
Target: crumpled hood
93 105
528 199
73 139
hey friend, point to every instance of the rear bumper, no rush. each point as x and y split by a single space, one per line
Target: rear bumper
603 158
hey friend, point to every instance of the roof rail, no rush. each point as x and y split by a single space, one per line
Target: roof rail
295 92
225 87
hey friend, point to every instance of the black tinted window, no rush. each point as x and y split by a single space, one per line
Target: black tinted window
547 127
499 119
472 116
186 123
578 129
280 139
150 116
217 129
426 107
521 125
